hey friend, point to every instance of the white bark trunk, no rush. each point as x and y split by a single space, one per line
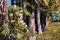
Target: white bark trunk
38 22
32 23
47 21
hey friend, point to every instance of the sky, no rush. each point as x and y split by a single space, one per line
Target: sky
9 2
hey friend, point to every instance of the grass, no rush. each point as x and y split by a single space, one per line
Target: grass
51 33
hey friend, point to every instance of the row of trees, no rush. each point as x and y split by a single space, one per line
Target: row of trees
36 7
33 13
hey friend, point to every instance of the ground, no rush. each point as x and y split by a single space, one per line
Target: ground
52 32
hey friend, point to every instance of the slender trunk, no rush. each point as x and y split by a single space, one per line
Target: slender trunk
38 22
32 22
46 20
32 26
5 15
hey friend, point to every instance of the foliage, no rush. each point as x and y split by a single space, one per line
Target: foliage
18 30
49 5
57 15
13 9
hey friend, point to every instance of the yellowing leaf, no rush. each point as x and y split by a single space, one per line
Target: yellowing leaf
46 2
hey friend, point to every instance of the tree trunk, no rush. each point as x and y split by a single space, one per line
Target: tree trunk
32 22
32 26
5 15
38 22
46 20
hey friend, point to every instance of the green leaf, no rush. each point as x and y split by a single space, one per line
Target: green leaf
27 12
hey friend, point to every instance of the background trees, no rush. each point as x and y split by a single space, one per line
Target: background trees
32 13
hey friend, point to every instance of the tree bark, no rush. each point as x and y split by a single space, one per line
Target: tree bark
5 15
32 22
38 22
46 20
